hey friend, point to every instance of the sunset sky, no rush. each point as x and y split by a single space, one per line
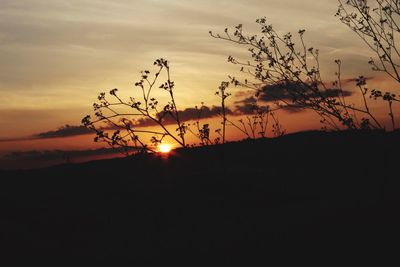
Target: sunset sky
56 56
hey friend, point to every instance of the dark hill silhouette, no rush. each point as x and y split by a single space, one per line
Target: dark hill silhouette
313 194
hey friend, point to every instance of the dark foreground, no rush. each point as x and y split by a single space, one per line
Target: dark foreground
301 197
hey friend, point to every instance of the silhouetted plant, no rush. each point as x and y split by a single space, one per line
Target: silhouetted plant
217 140
389 98
256 125
277 128
294 72
252 126
249 127
223 95
376 22
126 132
203 132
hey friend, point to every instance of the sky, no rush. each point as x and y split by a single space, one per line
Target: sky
56 56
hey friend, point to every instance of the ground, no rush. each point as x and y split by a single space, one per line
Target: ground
308 194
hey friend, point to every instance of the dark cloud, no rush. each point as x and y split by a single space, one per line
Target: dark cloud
333 92
245 106
64 131
185 115
277 92
353 81
293 108
188 114
283 91
270 93
244 93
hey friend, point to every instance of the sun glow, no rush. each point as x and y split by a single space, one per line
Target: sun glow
164 148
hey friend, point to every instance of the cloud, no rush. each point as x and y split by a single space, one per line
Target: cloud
246 106
353 81
283 91
278 92
64 131
185 115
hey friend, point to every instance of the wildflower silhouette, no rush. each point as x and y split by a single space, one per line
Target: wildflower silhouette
289 76
119 114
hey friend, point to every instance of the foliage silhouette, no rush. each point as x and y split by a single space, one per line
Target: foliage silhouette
126 134
294 73
223 95
256 125
203 132
376 22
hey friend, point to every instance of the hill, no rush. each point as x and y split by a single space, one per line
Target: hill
311 193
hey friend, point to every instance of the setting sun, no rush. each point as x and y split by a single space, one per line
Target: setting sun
164 148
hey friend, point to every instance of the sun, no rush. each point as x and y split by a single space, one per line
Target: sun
164 148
